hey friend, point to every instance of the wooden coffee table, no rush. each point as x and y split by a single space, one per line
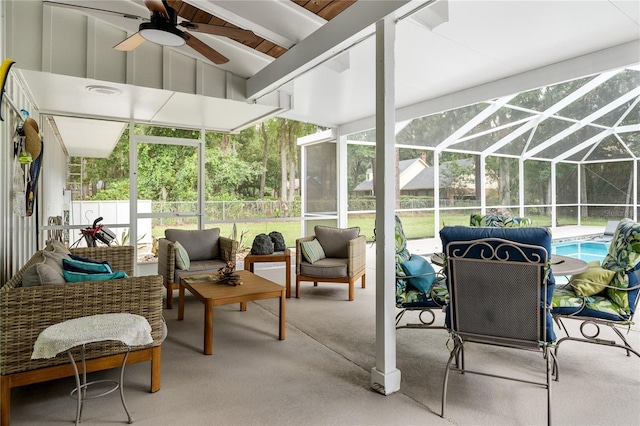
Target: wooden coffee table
212 293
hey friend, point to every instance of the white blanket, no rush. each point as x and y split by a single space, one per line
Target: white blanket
130 329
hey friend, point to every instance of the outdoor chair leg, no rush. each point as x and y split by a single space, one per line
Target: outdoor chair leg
548 355
624 341
169 297
455 354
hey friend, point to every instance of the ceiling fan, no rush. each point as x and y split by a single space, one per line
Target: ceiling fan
162 28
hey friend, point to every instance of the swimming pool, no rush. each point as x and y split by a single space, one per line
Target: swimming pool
585 250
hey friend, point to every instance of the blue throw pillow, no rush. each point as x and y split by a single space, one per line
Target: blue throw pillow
73 265
78 277
426 275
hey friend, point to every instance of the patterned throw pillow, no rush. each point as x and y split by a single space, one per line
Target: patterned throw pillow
592 281
402 253
623 256
312 251
182 257
499 221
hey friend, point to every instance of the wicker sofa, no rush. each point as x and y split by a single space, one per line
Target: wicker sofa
26 311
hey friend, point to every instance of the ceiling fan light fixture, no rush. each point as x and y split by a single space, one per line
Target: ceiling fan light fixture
165 36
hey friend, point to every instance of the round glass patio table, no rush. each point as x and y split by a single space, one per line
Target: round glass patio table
565 265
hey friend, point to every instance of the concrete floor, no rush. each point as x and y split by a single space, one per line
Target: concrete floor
320 374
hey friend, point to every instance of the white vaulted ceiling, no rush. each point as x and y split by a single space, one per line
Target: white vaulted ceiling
448 54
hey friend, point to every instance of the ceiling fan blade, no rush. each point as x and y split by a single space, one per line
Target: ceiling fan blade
93 9
130 43
157 6
234 33
205 50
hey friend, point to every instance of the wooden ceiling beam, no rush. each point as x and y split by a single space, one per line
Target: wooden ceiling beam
326 9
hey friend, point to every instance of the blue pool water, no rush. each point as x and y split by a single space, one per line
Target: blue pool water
585 250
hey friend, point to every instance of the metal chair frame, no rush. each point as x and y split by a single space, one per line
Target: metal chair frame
429 306
596 323
486 275
424 323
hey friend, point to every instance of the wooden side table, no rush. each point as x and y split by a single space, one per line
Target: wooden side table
279 256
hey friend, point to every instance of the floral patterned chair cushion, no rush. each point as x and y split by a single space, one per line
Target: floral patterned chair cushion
407 296
611 304
499 221
567 302
623 256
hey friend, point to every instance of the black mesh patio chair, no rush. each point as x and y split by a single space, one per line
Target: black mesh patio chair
499 295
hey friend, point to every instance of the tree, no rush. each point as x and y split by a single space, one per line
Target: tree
232 165
359 160
458 172
227 173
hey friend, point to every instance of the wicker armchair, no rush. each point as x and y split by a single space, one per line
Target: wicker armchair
206 249
343 258
26 311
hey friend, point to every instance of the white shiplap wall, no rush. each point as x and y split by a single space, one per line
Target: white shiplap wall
18 235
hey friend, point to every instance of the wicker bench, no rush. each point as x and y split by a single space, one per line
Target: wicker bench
26 311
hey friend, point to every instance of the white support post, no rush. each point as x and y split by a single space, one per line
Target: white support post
436 192
341 160
385 377
483 184
303 190
635 190
133 191
554 196
521 185
579 194
201 178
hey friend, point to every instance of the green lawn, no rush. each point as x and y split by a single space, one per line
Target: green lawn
414 226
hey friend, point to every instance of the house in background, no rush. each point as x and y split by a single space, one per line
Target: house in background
415 178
